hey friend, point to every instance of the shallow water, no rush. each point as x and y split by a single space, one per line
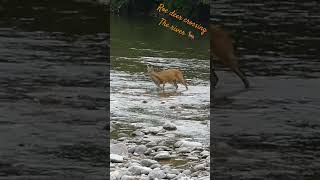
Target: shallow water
272 130
52 74
135 99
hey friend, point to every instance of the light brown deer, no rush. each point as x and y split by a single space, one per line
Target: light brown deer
222 47
172 76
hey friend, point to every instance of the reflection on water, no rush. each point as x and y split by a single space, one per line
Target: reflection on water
272 130
274 37
52 67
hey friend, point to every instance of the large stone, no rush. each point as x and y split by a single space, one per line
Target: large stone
199 167
156 174
148 162
119 149
188 144
141 149
115 158
138 170
162 155
169 126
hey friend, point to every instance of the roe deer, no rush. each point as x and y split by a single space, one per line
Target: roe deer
172 76
221 45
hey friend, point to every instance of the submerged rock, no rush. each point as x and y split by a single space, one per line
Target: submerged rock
169 126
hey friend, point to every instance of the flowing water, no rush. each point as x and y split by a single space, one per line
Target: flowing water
52 98
135 99
272 130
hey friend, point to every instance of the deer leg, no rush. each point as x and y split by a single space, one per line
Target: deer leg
182 81
158 85
175 84
242 77
215 79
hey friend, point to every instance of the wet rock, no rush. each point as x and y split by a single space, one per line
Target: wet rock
137 133
186 172
188 144
122 135
160 148
183 150
205 154
169 126
174 171
127 177
155 130
192 158
199 167
148 162
151 144
165 167
205 178
148 151
154 166
162 155
156 174
116 158
122 139
171 176
195 174
131 150
182 176
141 149
119 149
115 175
144 101
138 170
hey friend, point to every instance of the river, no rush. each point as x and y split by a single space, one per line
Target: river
272 130
138 42
53 70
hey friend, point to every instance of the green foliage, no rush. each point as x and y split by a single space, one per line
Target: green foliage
189 8
118 4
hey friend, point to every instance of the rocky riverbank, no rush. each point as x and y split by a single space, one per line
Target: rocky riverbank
156 153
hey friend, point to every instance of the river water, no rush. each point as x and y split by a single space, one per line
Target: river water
52 99
138 42
272 130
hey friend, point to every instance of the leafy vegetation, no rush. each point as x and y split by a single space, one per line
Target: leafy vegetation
190 8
